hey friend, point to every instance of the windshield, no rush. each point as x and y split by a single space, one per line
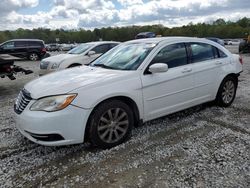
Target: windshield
80 49
125 56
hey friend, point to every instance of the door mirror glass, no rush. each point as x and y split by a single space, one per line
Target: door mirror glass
158 68
90 53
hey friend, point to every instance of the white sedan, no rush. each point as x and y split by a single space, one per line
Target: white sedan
137 81
81 55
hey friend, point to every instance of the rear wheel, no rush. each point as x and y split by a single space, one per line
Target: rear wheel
227 92
110 124
33 56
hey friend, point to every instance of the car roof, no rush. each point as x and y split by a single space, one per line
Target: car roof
25 40
102 42
169 39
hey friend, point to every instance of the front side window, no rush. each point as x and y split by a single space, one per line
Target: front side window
125 56
201 52
173 55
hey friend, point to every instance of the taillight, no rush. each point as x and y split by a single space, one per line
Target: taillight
241 60
43 50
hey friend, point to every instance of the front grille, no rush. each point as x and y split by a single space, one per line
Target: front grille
44 64
22 101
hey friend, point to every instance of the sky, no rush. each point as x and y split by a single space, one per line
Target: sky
90 14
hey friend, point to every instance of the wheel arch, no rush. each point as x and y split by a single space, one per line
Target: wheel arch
127 100
74 65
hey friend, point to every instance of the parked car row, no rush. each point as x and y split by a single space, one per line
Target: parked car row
83 54
134 82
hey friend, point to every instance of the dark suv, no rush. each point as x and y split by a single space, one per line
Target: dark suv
32 49
145 35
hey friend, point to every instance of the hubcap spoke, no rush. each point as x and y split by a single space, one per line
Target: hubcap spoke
100 128
110 114
122 122
104 134
110 136
103 119
121 116
116 134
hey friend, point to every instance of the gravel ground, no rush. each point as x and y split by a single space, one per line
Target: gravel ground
204 146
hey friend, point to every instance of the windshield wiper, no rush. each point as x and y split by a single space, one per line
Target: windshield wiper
103 66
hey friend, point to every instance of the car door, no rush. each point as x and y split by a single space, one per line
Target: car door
170 91
20 48
206 69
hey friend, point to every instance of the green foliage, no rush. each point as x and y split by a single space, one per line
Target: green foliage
219 28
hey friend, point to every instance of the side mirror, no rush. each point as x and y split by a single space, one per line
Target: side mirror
158 68
90 53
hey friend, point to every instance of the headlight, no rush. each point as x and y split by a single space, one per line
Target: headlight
53 103
55 66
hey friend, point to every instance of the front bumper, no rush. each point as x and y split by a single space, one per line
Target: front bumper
62 127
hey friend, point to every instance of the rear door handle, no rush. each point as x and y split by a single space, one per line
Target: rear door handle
185 70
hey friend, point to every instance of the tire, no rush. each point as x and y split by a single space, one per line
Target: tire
227 91
110 124
33 56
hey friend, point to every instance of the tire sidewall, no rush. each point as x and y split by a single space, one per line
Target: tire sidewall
94 120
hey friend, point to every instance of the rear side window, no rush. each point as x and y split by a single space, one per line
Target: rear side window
201 52
221 54
20 43
173 55
113 45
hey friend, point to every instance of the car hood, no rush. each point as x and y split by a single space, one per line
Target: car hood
71 79
59 58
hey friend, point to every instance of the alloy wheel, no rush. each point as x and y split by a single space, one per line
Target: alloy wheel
228 92
113 125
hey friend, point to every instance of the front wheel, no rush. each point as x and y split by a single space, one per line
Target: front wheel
110 124
227 92
33 57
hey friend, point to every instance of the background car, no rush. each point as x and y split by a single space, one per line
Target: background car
53 47
219 41
32 49
135 82
81 55
145 35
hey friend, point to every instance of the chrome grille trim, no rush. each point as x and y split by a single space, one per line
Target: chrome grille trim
22 101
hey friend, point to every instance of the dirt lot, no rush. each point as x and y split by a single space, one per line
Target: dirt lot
205 146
